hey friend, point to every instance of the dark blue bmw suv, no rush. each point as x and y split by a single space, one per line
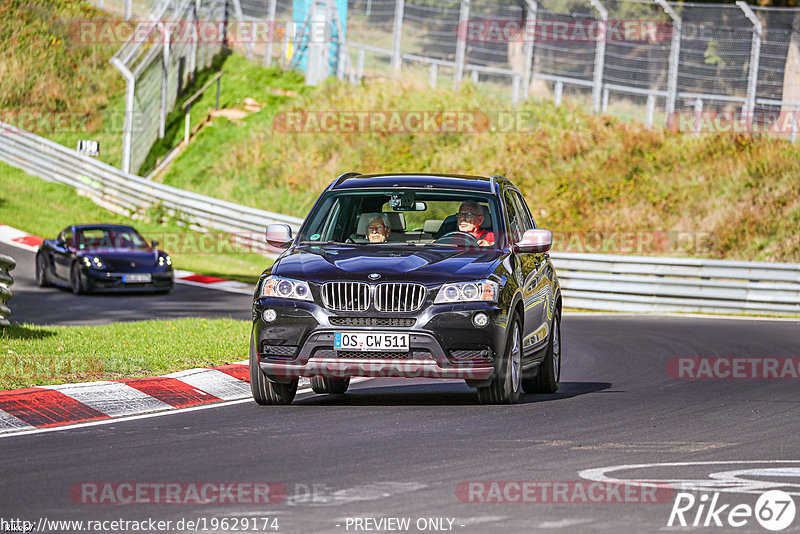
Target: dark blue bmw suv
409 275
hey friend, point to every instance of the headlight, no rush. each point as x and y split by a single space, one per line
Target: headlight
95 262
286 288
164 260
481 290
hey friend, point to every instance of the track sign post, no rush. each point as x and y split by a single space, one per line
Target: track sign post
88 148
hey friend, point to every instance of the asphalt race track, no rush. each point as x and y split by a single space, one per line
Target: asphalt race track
405 449
58 306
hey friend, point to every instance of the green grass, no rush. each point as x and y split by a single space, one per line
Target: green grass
36 355
739 196
45 208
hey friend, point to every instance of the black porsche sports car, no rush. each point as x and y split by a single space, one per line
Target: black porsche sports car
407 275
103 257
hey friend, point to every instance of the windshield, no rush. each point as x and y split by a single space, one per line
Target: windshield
115 238
418 217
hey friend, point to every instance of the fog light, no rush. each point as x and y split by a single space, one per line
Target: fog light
480 320
269 315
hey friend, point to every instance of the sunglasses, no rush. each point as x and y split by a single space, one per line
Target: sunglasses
376 228
467 215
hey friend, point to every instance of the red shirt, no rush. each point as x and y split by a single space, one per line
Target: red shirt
483 234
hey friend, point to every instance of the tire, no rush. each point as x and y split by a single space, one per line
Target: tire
505 386
75 282
330 385
42 279
266 392
549 376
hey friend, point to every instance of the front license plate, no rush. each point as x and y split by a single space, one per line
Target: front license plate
137 278
371 341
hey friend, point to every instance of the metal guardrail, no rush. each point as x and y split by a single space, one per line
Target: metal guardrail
656 284
128 193
590 281
7 264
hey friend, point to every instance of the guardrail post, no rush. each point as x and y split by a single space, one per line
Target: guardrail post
360 64
271 7
755 53
433 75
674 59
461 43
187 124
599 56
7 264
531 11
399 9
558 92
515 89
651 110
475 76
604 106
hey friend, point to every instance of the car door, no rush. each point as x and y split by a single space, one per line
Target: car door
534 285
62 255
545 266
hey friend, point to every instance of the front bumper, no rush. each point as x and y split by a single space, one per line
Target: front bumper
101 281
444 343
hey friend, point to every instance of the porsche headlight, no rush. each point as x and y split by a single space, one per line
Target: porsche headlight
286 288
94 262
480 290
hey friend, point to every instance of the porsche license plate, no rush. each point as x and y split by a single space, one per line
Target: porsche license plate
137 278
371 341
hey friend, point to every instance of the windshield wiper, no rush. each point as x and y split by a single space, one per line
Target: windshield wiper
320 243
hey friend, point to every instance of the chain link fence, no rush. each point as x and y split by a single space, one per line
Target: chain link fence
694 67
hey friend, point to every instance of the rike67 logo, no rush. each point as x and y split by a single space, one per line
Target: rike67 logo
774 510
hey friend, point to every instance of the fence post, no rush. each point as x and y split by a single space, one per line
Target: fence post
558 92
433 75
399 9
127 14
196 16
461 42
674 59
755 52
604 105
360 65
651 110
599 57
130 101
698 115
529 37
237 9
271 6
515 89
162 110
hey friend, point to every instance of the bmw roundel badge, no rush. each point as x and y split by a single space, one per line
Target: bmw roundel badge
374 276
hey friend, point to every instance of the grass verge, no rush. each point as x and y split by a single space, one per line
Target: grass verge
37 355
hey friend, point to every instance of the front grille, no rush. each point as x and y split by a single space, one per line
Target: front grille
346 296
373 321
481 354
399 297
416 354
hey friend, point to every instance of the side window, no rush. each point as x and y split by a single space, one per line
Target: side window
66 236
514 227
526 221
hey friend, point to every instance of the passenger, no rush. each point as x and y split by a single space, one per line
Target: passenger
378 228
470 218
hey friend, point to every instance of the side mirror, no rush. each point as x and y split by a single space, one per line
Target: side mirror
535 241
279 235
154 243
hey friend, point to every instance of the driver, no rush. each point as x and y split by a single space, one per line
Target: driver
378 228
470 218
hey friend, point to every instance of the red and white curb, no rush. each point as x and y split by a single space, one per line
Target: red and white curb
42 407
21 239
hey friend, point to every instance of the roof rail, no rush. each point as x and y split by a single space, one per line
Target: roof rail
345 176
492 179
